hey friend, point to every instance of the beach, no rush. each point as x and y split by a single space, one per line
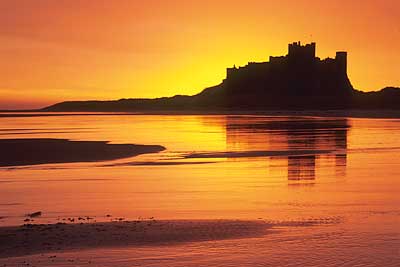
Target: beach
200 190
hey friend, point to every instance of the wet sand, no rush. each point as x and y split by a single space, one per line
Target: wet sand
30 239
255 154
157 163
42 151
43 238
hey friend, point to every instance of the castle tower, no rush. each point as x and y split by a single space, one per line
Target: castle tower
341 61
301 52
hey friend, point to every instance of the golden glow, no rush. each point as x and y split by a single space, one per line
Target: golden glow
70 50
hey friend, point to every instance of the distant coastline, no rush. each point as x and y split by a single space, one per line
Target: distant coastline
348 113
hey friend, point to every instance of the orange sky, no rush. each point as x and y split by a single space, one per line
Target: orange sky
98 49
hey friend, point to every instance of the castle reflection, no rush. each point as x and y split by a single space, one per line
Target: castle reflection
291 134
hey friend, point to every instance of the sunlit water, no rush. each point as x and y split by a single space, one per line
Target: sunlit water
355 182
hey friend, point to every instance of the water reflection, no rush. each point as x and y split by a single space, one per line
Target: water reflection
301 168
291 134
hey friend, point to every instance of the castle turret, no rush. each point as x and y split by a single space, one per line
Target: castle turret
341 62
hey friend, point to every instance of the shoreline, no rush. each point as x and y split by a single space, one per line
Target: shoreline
350 113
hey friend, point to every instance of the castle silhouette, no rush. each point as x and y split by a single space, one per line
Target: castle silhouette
297 78
297 81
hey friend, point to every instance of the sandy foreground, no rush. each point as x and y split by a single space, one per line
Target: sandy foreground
31 239
42 238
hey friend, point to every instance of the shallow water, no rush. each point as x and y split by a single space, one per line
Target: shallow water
252 167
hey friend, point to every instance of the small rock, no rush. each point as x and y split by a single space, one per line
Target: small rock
35 214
